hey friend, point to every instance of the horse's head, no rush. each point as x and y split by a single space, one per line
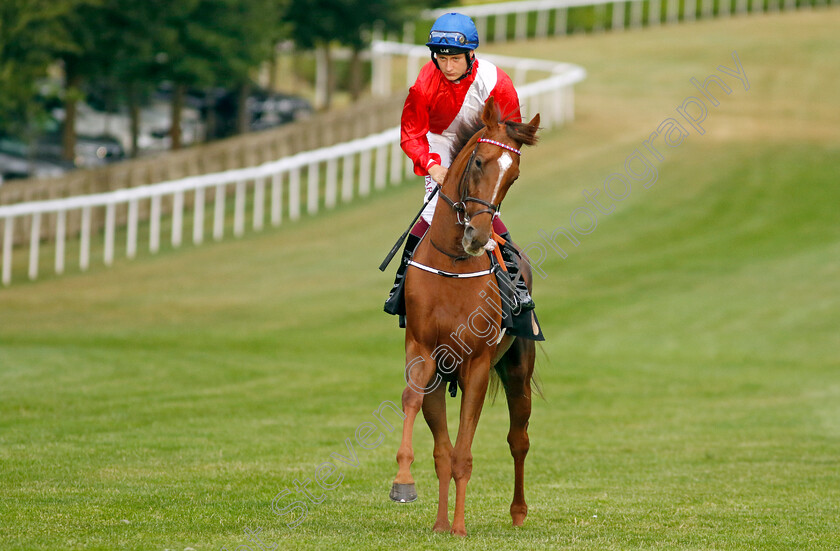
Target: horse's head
491 166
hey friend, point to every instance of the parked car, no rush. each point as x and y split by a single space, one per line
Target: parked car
155 121
90 150
104 137
273 109
265 110
13 167
43 158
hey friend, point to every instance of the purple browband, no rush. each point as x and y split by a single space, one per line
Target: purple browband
500 144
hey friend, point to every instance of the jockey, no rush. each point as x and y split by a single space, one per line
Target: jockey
449 92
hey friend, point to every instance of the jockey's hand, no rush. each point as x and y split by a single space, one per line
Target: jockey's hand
438 173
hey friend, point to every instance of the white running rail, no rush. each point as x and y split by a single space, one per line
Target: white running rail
542 18
329 174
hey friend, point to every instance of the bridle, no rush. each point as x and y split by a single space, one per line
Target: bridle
460 206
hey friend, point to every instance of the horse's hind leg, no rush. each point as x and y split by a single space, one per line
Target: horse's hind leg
434 410
519 365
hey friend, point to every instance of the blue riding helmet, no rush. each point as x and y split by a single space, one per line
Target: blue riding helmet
453 33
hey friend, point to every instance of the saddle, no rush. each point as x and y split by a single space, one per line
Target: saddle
515 321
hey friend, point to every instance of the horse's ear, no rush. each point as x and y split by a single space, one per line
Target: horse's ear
490 116
535 122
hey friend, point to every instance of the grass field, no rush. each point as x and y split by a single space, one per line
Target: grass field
691 372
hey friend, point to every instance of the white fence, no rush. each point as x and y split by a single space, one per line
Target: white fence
542 18
552 95
329 174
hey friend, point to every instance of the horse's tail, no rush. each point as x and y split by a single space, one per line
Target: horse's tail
499 376
536 384
496 373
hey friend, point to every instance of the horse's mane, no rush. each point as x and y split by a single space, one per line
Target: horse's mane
464 135
519 131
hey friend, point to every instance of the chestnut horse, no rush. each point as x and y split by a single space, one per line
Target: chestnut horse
453 325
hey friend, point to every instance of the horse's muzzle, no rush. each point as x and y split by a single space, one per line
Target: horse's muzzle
474 240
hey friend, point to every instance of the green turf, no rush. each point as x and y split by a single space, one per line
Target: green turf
691 372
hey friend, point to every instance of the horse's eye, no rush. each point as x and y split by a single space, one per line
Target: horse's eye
478 163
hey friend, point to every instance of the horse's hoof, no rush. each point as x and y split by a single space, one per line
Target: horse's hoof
403 493
441 527
518 514
460 532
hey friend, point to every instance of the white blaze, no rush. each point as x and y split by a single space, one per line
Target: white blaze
504 163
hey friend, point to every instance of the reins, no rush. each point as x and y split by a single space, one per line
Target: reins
454 257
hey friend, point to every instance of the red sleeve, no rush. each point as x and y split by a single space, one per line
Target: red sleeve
506 97
413 129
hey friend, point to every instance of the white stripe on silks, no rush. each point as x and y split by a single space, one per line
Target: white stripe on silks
485 80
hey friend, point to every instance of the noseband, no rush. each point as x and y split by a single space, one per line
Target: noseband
460 206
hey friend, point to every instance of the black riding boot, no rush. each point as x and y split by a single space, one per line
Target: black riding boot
523 297
396 303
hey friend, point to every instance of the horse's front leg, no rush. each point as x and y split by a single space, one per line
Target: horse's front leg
434 410
419 372
472 401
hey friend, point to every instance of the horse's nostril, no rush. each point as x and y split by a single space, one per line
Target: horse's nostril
469 231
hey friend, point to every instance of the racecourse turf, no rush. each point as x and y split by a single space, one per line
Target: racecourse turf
691 371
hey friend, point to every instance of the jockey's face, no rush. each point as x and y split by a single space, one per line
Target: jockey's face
452 66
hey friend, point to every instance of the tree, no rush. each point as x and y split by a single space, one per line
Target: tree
314 24
133 41
112 44
137 44
30 31
215 42
318 23
360 19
